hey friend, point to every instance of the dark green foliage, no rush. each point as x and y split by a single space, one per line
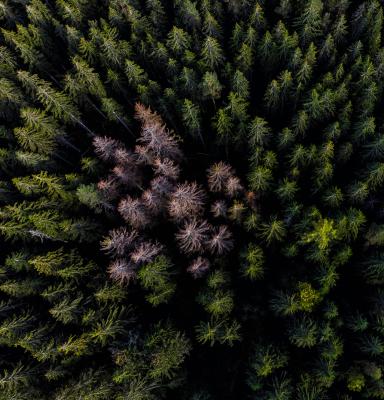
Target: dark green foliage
135 263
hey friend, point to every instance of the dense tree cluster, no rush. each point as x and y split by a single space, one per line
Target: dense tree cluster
191 199
144 188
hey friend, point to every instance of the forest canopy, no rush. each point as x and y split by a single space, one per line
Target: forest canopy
191 200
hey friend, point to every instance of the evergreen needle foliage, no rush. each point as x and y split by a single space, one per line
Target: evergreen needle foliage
191 200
